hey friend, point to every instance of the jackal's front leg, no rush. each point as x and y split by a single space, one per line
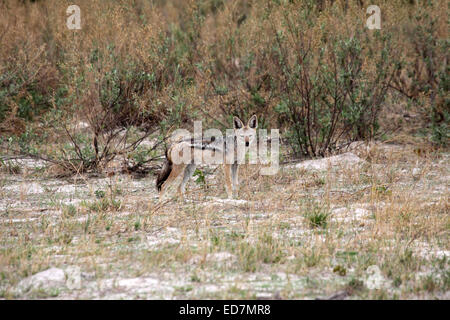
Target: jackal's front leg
235 180
188 171
228 180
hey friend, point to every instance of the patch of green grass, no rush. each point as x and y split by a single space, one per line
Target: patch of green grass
429 284
225 240
347 256
284 226
317 217
45 293
265 250
247 257
69 210
354 286
133 239
195 278
235 292
103 205
200 180
137 225
397 282
183 289
446 280
383 190
269 249
312 258
319 181
402 266
99 194
340 270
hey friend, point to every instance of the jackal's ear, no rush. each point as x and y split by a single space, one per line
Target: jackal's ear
237 123
253 122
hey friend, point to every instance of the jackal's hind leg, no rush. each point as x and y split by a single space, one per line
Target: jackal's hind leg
169 184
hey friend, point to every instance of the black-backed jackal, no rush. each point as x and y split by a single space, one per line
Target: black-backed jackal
225 148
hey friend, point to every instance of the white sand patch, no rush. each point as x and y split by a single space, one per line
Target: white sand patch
73 201
375 279
425 250
17 220
45 280
347 215
342 160
27 163
208 288
123 214
221 257
148 287
69 188
264 295
73 277
235 202
166 237
154 242
141 283
25 188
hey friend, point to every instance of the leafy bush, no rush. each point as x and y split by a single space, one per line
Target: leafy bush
332 93
424 78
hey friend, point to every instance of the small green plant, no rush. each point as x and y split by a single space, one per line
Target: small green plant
247 257
201 180
46 293
133 239
383 190
354 285
340 270
183 289
137 225
265 250
397 282
99 194
195 278
317 216
312 258
429 283
104 204
87 223
70 210
446 280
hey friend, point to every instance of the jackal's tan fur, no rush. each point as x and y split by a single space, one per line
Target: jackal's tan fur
178 174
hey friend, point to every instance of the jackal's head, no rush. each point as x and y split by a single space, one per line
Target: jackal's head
248 132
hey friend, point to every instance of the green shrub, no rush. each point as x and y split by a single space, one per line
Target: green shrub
331 95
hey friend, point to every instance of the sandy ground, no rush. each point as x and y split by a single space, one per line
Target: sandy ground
364 225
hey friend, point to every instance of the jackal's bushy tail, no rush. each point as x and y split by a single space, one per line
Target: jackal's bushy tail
164 173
